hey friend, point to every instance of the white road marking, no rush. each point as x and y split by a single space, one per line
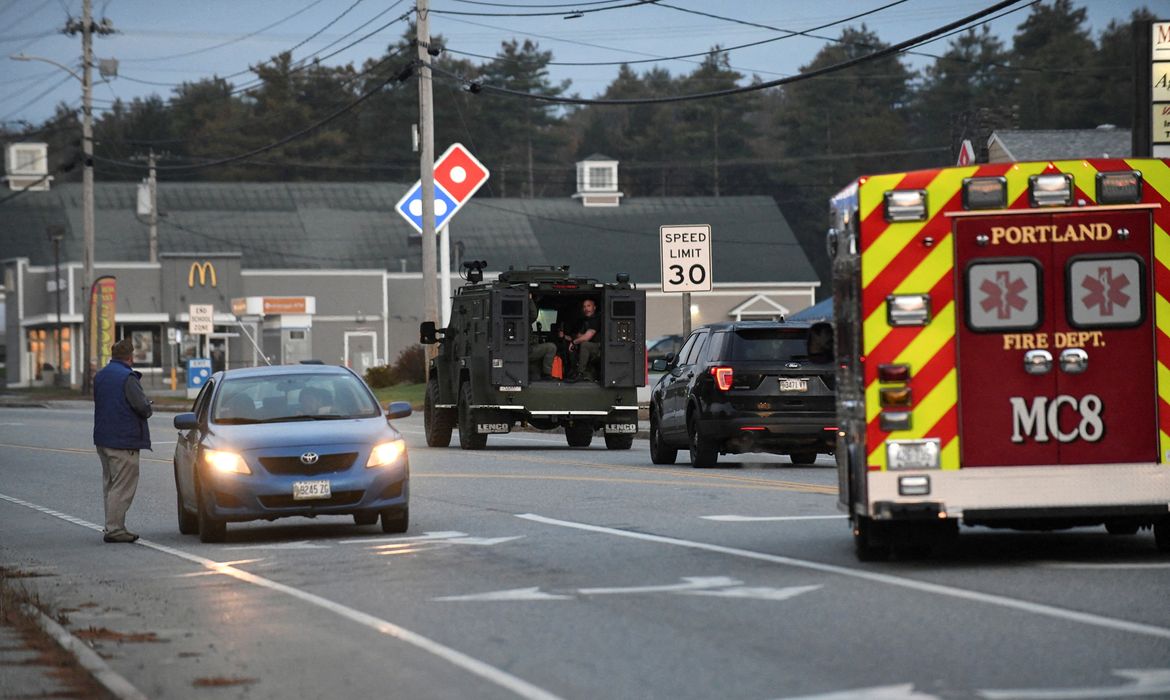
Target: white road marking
9 425
691 583
875 577
756 593
515 594
1117 565
302 544
484 541
904 691
768 518
505 680
1146 683
428 536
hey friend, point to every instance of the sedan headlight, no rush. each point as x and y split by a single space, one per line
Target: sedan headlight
386 453
226 462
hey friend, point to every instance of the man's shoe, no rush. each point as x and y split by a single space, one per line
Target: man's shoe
123 536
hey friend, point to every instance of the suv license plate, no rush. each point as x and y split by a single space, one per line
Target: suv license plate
309 490
791 384
621 428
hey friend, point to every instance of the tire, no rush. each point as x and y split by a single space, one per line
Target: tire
805 459
618 441
579 434
437 422
704 454
1162 535
659 452
865 545
188 522
396 520
468 438
365 518
211 529
1121 527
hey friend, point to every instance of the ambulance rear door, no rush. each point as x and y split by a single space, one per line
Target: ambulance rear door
1055 338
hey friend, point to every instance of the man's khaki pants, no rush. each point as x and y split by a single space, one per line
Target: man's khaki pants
119 482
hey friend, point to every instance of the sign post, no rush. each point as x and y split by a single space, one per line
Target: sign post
686 263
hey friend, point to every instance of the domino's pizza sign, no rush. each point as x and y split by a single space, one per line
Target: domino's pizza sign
458 175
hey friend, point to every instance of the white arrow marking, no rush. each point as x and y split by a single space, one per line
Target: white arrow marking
761 593
533 593
692 583
904 691
303 544
768 518
427 536
1146 682
1119 565
484 541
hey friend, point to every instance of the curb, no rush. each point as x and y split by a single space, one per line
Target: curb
118 686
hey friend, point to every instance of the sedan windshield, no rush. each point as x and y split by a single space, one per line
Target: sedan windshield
292 397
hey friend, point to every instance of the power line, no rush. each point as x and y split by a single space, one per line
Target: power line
901 47
561 4
575 13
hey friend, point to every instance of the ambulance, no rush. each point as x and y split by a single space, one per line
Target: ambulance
1003 347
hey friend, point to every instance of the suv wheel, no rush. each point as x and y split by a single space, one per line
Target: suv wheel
579 434
437 422
659 452
468 438
805 459
703 452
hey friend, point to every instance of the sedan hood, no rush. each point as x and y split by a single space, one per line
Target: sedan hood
309 432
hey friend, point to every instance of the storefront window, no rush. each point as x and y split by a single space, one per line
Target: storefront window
147 345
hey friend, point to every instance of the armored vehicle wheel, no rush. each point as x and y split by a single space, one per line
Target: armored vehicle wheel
579 434
659 452
704 454
804 458
618 441
468 438
437 422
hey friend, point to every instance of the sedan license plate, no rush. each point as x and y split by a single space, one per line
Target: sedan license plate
310 490
626 428
793 384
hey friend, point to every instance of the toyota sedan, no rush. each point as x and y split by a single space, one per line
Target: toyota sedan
292 440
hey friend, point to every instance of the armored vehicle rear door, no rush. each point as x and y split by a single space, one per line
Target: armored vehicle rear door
624 357
509 341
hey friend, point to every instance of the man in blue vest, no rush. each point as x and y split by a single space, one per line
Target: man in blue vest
120 430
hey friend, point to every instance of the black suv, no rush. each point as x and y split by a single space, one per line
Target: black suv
749 386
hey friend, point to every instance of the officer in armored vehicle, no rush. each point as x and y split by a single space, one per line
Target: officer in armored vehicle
586 343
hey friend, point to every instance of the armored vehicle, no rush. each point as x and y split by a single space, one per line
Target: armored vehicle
484 380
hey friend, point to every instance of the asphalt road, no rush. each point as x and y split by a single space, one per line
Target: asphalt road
537 571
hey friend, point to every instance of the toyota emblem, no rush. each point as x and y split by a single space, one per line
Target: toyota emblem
309 458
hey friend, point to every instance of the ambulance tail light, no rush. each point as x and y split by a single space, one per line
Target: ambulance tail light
1119 188
985 193
906 205
908 309
895 397
893 373
723 377
1052 190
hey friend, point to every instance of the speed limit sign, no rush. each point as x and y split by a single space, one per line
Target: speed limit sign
686 257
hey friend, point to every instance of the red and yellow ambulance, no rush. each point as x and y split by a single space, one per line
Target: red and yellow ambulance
1003 337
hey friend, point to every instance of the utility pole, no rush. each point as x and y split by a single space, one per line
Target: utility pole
426 164
56 233
152 184
87 29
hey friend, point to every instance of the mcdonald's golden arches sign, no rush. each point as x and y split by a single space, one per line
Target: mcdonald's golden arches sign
205 272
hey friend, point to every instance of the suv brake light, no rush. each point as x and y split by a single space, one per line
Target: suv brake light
723 377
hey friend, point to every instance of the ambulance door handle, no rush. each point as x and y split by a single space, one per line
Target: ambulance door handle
1074 361
1037 362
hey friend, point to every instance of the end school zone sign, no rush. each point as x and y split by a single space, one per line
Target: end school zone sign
686 257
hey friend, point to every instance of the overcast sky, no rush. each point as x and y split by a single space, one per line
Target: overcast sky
171 41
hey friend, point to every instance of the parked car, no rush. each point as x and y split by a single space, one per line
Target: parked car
751 386
291 440
658 348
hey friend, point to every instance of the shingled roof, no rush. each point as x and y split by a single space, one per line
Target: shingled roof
1056 144
354 225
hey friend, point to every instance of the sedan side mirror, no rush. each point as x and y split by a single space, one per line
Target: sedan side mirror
397 409
658 365
186 421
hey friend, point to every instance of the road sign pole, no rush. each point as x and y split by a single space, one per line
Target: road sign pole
445 273
686 308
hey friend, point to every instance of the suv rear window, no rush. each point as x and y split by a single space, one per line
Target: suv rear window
767 345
